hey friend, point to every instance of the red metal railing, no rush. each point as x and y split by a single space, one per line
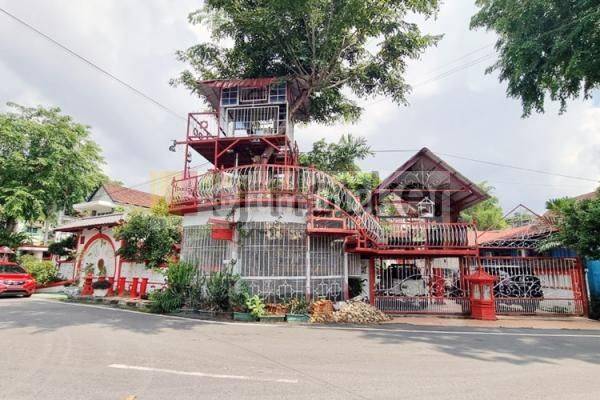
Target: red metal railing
273 183
418 233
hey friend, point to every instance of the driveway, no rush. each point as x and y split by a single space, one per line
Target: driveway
54 350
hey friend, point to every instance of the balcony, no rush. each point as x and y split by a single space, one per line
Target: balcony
333 209
419 234
238 122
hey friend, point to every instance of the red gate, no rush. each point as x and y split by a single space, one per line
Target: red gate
424 285
525 285
537 285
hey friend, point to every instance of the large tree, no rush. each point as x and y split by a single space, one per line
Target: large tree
330 45
47 163
340 159
547 47
578 225
488 214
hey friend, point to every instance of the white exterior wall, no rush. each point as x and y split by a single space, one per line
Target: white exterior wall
115 267
248 214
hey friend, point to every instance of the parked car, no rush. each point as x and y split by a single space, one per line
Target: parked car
15 281
524 286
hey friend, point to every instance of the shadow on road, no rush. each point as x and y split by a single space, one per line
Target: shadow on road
50 315
513 346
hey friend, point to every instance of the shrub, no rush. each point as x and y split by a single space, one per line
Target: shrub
148 238
222 290
256 306
298 305
355 286
42 271
104 284
181 286
64 247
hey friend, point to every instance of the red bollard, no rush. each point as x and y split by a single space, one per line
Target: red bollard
111 289
143 286
133 293
87 289
121 286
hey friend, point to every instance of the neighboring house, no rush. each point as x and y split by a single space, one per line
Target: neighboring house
96 251
40 235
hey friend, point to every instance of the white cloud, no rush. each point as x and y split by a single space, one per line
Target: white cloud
466 113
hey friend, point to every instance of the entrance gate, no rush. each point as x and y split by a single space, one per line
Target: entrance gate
525 285
425 285
537 285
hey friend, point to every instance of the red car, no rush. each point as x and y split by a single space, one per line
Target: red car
14 280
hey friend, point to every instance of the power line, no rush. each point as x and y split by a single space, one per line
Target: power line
497 164
479 60
93 65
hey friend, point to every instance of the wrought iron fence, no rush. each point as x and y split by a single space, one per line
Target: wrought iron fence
419 233
536 285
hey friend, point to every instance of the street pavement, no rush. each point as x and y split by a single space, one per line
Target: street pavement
55 350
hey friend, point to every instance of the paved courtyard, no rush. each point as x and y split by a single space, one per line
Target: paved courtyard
54 350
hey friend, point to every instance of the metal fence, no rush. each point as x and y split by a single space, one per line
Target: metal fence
434 286
272 257
537 285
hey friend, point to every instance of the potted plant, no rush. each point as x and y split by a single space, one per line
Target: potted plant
298 310
256 307
100 287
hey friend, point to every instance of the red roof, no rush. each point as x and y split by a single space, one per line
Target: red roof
229 83
587 196
123 195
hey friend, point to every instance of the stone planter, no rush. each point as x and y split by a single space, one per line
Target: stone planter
272 318
100 292
242 316
297 318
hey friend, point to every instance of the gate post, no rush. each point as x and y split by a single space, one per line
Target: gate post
372 281
583 287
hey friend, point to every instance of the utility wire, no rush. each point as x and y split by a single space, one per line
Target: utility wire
496 164
93 65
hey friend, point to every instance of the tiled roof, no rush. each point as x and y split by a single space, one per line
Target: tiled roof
587 196
123 195
519 232
100 220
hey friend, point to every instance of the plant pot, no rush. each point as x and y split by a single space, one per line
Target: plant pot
222 234
243 316
297 318
100 292
272 318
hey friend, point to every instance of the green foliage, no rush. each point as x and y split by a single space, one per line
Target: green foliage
488 214
333 47
160 208
298 305
256 306
355 286
148 238
225 291
42 271
547 47
12 239
47 163
578 226
338 157
360 183
64 247
182 285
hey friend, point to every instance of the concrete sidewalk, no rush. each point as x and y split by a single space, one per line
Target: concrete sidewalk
518 322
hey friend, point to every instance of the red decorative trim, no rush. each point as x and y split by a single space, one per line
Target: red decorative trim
91 240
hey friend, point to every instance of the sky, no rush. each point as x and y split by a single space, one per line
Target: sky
455 108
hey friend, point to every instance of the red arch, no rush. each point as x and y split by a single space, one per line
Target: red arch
91 240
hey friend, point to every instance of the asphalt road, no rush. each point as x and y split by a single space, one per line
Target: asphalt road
51 350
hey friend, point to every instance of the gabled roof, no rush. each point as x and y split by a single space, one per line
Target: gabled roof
587 196
471 195
122 195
